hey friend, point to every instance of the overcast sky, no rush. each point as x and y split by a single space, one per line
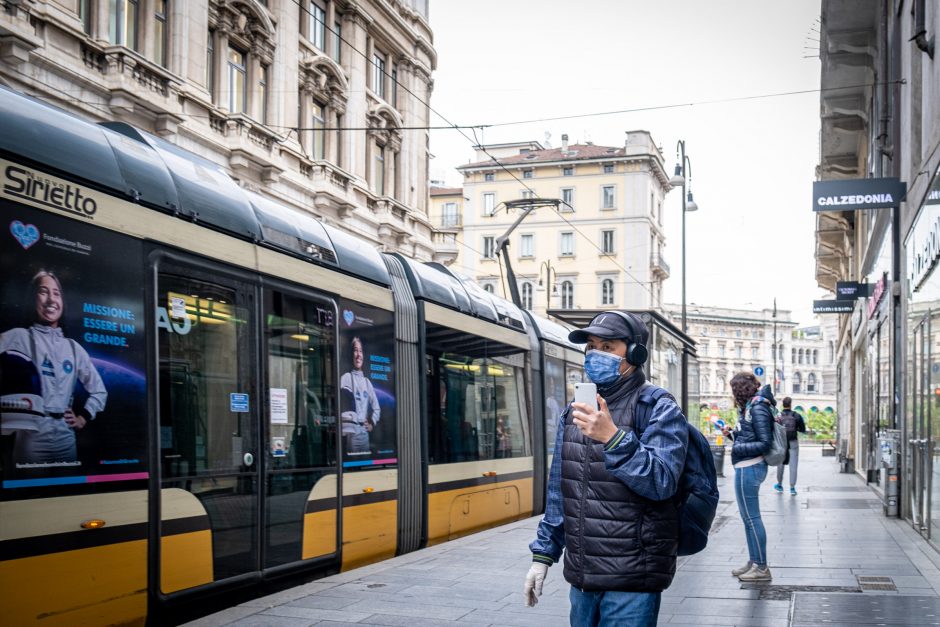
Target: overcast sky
752 161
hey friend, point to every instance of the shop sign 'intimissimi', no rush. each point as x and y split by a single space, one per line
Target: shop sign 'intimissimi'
848 195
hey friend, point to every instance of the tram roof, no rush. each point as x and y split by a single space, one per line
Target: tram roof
553 332
438 284
156 173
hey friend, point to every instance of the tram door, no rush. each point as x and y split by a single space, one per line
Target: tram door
209 458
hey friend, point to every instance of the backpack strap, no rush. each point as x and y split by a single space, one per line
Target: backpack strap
646 400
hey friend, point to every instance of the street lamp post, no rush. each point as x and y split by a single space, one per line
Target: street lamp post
683 176
551 283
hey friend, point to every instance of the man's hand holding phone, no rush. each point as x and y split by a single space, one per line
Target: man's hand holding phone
590 415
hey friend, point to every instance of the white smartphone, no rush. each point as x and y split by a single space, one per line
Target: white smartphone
586 393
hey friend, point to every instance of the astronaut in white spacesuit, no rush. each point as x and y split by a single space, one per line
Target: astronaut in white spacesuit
363 415
60 363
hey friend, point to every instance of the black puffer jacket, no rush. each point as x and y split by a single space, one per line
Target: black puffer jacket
615 539
753 437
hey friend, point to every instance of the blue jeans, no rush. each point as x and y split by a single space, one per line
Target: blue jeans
746 487
613 609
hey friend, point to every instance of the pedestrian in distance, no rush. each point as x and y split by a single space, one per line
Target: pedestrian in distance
794 424
752 440
610 506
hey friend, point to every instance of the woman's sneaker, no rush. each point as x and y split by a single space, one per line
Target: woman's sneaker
737 572
778 487
792 491
756 574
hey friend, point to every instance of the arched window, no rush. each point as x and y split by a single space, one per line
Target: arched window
797 383
811 383
792 355
705 383
799 357
567 295
527 296
607 292
489 288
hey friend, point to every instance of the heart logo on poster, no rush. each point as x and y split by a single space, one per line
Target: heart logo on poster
25 234
349 317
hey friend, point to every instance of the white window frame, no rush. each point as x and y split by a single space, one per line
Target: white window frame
567 294
607 291
567 204
607 247
527 295
613 197
567 170
527 245
489 203
527 174
240 71
563 238
489 177
379 61
450 215
489 247
316 26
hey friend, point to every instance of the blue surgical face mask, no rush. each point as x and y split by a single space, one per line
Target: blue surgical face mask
602 368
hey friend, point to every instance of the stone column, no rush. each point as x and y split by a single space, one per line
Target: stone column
221 91
145 39
253 71
305 137
355 144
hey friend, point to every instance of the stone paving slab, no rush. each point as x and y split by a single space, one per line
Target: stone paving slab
827 535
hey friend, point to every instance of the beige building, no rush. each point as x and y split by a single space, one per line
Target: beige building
313 102
446 214
603 245
729 341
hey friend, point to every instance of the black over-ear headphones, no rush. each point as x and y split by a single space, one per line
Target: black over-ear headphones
637 353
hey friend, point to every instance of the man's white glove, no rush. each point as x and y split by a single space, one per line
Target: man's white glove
533 583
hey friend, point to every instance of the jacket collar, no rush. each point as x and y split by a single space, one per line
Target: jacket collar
622 386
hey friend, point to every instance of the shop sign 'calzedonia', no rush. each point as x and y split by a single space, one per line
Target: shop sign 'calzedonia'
851 194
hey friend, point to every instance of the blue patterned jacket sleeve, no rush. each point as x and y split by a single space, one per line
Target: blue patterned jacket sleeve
651 464
550 535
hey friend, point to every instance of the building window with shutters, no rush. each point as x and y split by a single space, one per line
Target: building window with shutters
527 245
489 203
566 245
489 247
567 295
527 295
607 242
567 199
607 292
607 197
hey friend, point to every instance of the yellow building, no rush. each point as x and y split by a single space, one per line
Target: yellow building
446 216
601 247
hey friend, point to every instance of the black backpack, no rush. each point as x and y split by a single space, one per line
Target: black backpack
697 494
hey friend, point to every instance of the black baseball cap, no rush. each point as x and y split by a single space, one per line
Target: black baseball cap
611 325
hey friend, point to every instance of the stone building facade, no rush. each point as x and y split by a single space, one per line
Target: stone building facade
319 104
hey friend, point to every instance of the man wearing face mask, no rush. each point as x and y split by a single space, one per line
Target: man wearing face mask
611 488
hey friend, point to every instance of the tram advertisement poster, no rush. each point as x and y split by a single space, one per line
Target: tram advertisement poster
72 353
367 386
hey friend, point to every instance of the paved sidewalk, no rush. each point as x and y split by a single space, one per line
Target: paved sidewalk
819 543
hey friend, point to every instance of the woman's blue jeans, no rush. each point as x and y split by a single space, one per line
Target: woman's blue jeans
746 489
613 609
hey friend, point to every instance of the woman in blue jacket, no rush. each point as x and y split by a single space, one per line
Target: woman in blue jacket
752 438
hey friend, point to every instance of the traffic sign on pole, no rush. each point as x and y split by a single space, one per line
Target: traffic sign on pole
759 371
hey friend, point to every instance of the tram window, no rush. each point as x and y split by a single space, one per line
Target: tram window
478 412
555 400
301 412
205 357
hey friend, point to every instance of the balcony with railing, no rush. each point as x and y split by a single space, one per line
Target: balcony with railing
659 266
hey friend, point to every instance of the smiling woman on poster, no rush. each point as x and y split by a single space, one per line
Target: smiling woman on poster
363 411
60 363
